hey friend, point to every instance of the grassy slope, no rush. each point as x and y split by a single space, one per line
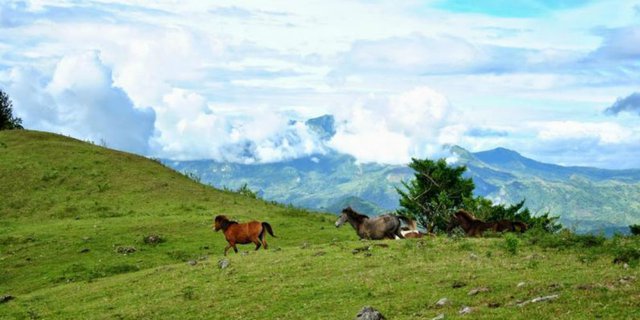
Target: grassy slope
61 196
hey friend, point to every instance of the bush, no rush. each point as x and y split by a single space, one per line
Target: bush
635 229
511 243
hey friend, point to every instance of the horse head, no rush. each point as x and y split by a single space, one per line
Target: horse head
220 222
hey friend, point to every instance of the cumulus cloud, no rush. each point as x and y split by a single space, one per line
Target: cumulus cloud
81 100
393 129
630 103
189 128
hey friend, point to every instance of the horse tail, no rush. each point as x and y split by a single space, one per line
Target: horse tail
267 226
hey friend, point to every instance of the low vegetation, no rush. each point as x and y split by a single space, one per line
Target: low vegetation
141 246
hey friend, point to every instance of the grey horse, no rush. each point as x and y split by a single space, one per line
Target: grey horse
381 227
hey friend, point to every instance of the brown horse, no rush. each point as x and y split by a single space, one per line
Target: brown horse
475 227
411 230
242 233
381 227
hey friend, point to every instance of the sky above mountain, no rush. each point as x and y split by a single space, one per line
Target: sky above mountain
559 81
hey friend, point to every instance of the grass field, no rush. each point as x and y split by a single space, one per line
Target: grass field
72 213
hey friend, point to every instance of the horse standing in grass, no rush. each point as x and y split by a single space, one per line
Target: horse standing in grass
382 227
242 233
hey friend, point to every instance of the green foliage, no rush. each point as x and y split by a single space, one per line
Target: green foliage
7 120
435 191
245 191
635 229
511 243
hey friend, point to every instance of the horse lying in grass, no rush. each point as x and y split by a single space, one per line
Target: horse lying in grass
475 227
242 233
411 231
381 227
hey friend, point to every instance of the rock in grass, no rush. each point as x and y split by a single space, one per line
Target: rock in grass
439 317
153 239
223 264
126 249
442 302
521 284
475 291
546 298
465 310
192 262
369 313
6 298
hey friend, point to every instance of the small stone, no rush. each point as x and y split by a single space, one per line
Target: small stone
192 262
626 266
439 317
223 264
6 298
465 310
369 313
475 291
521 284
546 298
442 302
126 249
473 256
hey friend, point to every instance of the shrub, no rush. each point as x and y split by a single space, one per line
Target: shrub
511 243
635 229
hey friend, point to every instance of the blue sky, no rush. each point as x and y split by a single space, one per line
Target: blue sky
558 81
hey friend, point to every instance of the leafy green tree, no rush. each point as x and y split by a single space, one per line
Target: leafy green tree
7 120
635 229
435 192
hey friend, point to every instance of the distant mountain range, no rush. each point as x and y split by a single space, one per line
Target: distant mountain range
586 199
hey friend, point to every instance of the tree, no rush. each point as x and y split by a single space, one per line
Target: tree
7 120
435 192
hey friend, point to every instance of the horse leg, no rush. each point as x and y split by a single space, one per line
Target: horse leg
258 244
227 248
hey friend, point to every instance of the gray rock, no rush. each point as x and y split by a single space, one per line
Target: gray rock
442 302
369 313
475 291
465 310
192 262
223 264
439 317
6 298
521 284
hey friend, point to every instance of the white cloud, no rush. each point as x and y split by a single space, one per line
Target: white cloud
602 132
81 100
394 129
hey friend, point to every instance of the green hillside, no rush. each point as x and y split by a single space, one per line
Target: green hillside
73 218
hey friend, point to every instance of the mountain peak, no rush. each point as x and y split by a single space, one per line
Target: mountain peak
324 126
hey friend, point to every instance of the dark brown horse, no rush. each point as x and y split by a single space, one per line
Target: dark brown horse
475 227
242 233
381 227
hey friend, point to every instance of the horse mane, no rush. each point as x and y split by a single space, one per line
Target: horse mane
354 214
225 222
